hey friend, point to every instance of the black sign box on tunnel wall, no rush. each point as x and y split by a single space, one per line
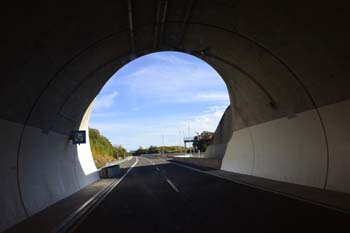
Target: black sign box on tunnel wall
79 136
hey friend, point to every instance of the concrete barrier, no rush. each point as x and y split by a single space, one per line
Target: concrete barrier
109 171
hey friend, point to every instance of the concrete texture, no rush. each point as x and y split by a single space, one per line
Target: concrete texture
279 60
294 149
47 170
50 218
84 160
11 209
110 171
336 119
215 151
222 136
47 220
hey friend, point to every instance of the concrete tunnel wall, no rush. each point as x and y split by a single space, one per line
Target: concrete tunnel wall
260 150
222 135
50 168
285 66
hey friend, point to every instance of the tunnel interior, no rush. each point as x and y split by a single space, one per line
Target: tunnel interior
285 68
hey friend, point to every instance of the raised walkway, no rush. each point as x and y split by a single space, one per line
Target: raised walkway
329 199
50 219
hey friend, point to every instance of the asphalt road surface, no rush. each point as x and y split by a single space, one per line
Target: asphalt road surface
158 196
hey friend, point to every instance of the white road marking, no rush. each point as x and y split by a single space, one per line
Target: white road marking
127 172
291 196
74 217
117 162
150 161
167 180
172 185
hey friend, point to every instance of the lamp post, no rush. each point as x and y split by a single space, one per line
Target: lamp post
162 145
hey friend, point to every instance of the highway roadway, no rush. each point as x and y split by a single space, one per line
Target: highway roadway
159 196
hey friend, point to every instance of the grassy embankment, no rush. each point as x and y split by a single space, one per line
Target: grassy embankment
102 149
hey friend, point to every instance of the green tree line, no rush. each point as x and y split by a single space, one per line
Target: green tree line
102 149
158 149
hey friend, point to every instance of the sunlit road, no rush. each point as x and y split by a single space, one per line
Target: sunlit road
158 196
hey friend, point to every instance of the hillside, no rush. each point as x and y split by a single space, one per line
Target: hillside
102 149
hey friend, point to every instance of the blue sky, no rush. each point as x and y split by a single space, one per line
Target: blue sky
159 95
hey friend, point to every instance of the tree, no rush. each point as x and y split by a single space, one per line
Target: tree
102 149
157 149
120 151
140 151
153 150
202 141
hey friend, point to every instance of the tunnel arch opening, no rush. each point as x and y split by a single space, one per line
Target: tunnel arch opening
288 83
163 83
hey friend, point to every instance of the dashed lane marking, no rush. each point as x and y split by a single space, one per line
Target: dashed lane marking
172 185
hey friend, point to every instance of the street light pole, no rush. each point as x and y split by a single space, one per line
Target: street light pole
162 145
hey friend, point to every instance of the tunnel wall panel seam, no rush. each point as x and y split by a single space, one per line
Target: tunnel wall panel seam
336 119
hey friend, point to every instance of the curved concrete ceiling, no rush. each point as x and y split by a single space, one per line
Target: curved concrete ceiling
57 56
278 59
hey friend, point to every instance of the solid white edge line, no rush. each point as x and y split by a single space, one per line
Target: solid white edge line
126 173
115 163
268 190
172 185
86 204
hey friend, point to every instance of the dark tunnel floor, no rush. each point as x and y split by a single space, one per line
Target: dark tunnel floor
168 198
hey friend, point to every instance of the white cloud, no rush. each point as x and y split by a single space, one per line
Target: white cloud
160 96
221 108
110 127
203 122
149 131
171 59
174 79
218 97
105 101
213 96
